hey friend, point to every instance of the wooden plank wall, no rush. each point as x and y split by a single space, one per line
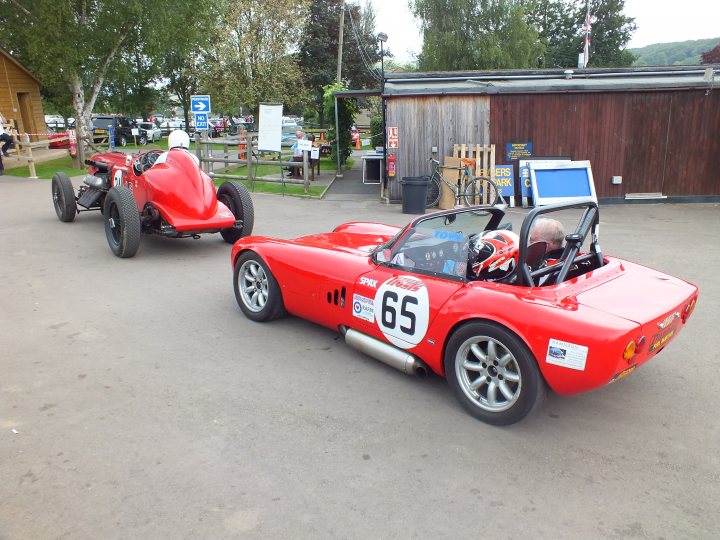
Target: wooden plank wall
14 80
667 142
441 121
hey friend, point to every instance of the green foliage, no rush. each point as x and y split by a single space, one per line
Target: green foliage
377 133
346 119
559 24
319 50
471 34
677 53
252 59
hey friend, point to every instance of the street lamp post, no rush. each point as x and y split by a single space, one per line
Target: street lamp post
382 38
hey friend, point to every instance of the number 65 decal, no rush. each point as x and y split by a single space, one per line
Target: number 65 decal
404 310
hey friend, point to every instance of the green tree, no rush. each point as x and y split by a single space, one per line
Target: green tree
252 59
559 24
346 119
80 40
472 34
319 50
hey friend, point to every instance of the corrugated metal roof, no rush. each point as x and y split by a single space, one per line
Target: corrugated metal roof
528 81
436 86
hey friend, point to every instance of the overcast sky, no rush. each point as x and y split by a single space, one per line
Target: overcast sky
658 21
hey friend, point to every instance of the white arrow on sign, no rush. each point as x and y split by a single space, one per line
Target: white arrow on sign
200 106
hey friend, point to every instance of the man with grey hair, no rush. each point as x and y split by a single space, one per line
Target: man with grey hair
550 231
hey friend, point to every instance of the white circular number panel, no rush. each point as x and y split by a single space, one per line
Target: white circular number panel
402 310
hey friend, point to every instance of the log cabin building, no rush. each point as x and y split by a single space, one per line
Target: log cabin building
20 97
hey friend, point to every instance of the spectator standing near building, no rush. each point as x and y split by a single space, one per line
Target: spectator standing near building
5 137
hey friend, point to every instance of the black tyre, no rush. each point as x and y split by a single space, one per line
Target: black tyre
142 141
493 374
122 222
123 141
481 192
433 193
237 198
63 196
256 290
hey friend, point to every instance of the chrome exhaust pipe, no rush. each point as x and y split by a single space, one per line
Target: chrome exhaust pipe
387 354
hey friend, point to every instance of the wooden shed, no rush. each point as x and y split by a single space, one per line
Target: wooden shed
20 97
657 128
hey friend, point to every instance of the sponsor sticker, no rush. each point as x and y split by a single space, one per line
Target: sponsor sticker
363 307
369 282
566 354
448 235
403 310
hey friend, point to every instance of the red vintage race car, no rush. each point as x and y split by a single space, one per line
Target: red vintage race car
500 325
173 198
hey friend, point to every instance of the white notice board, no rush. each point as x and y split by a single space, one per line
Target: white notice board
270 126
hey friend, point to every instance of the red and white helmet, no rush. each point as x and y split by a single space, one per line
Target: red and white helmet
493 255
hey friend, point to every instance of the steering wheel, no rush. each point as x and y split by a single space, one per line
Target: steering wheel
146 160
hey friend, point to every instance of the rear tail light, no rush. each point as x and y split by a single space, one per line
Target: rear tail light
629 351
633 348
688 311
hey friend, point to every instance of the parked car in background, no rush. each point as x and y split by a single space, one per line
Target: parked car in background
125 128
152 131
166 126
55 122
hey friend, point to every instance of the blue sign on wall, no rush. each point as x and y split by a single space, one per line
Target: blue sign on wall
111 136
519 150
525 182
505 180
201 121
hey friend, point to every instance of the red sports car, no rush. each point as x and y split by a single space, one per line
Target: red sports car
457 293
173 198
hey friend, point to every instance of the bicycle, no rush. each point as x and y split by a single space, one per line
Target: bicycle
471 190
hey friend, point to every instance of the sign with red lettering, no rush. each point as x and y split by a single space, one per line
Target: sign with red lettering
392 137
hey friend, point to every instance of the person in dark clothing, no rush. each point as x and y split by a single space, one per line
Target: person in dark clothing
5 137
550 231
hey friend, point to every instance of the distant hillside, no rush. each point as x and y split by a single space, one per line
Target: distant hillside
671 54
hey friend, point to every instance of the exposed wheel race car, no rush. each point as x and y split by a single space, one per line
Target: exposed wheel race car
500 323
173 198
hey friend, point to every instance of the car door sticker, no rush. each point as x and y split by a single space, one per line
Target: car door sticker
363 307
403 310
118 178
565 354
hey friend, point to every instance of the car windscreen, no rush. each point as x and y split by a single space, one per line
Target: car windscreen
102 123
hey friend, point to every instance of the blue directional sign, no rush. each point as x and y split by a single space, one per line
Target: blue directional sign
201 121
200 104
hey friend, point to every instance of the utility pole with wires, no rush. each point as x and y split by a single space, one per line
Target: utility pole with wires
340 41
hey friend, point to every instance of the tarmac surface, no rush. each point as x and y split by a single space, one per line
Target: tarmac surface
136 401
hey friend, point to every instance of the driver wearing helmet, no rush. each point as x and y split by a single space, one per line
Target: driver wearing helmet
493 255
179 141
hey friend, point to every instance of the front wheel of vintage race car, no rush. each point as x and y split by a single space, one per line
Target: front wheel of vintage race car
237 198
122 222
493 374
63 196
256 290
